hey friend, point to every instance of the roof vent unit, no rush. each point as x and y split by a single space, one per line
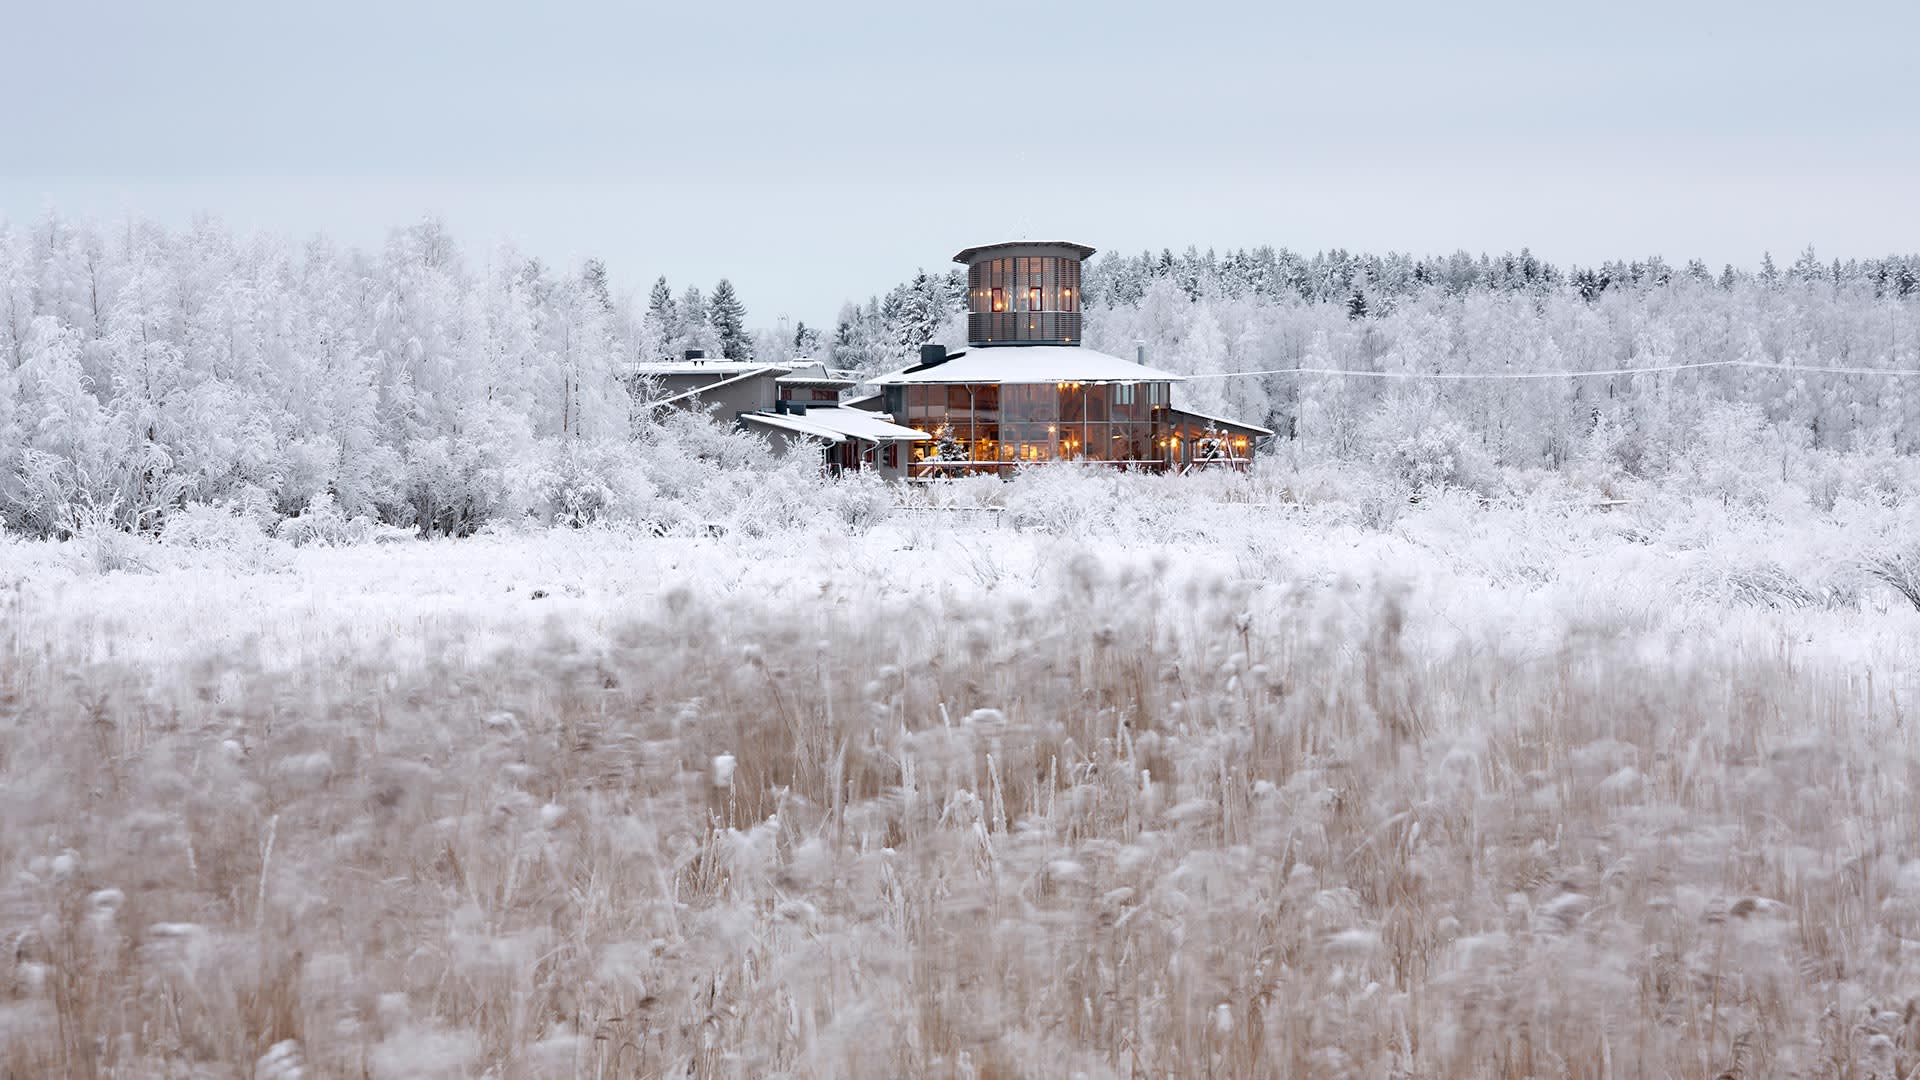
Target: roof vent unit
780 406
796 408
932 355
696 354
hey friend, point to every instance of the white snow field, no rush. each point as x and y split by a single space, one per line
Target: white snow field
1077 775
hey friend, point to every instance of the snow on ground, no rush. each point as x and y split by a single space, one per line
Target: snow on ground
1059 784
1516 579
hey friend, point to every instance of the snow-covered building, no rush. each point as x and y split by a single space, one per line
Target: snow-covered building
793 404
1026 390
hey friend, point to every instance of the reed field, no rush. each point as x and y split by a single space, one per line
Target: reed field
1242 791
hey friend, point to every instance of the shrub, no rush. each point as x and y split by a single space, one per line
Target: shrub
1898 567
323 524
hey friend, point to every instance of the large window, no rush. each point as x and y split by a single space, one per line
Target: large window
1047 287
1002 425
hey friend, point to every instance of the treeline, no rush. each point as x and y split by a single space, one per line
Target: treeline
1391 320
142 369
1373 283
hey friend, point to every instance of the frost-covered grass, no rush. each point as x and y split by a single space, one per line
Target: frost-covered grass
1070 776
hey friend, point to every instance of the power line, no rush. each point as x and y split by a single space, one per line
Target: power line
1486 375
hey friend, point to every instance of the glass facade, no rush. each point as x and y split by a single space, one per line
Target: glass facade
1030 298
998 426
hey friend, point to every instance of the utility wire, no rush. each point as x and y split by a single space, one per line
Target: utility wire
1482 375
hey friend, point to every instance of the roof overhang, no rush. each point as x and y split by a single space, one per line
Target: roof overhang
1221 421
688 396
969 256
833 425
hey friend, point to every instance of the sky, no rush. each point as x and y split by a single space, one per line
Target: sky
816 152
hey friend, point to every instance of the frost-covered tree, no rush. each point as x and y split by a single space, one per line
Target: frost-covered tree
660 325
694 330
728 317
806 341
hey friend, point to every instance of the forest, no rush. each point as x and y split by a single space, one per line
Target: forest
383 693
438 390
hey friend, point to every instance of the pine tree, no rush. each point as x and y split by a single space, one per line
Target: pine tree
660 326
728 317
806 341
696 331
660 304
593 276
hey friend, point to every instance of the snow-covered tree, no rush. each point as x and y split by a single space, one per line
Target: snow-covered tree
728 317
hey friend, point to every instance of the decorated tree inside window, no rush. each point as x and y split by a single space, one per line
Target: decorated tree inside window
947 449
1211 446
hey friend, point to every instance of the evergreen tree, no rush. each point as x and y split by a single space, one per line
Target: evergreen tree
806 341
728 317
660 306
696 331
593 277
660 326
693 310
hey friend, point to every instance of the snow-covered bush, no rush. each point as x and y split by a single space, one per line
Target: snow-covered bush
323 524
227 531
860 500
1731 458
1421 447
1063 498
1897 566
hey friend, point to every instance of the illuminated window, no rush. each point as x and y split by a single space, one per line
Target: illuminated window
1033 298
999 299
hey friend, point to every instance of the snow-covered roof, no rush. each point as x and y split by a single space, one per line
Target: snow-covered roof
750 371
1223 420
837 425
700 367
1017 247
1028 364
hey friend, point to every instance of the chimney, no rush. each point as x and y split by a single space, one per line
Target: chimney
931 355
1140 353
696 354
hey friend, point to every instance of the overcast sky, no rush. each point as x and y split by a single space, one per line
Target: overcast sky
819 151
